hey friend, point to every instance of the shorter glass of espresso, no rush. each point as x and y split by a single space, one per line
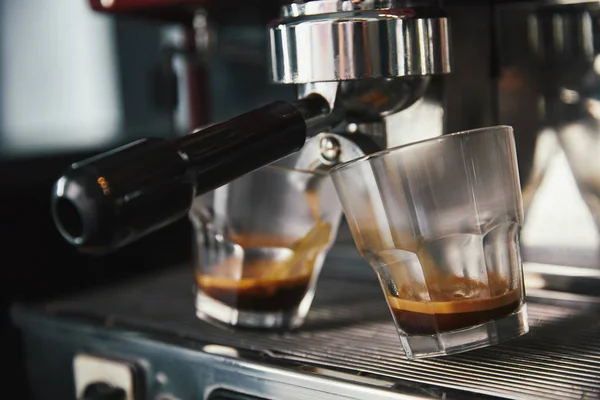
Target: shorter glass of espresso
439 221
262 240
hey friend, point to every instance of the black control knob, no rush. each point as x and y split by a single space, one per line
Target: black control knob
103 391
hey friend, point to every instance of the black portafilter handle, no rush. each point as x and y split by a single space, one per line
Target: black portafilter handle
115 198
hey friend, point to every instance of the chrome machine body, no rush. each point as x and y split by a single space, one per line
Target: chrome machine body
389 76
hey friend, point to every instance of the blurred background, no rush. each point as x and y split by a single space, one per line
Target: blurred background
74 83
71 83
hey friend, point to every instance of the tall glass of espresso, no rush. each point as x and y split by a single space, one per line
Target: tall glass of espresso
262 240
439 221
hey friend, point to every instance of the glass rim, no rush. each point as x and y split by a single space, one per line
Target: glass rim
282 168
385 152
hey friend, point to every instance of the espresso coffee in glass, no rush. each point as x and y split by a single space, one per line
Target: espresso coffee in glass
439 222
262 245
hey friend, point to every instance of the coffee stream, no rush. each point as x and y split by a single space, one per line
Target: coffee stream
267 284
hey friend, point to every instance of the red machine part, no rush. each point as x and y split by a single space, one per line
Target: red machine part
170 10
134 5
183 10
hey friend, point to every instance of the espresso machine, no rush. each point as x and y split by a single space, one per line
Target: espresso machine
349 78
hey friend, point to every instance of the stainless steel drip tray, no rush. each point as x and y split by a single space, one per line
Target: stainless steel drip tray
350 334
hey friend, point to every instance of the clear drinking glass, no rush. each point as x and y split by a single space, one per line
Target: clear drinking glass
439 222
262 240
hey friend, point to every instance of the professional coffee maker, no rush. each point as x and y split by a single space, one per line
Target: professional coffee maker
368 75
362 93
353 64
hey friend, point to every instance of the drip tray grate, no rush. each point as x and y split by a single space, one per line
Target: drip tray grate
351 329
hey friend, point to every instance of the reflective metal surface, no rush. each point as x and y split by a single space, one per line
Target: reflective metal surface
330 6
348 348
311 43
548 79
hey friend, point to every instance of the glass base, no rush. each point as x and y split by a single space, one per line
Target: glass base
459 341
215 312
